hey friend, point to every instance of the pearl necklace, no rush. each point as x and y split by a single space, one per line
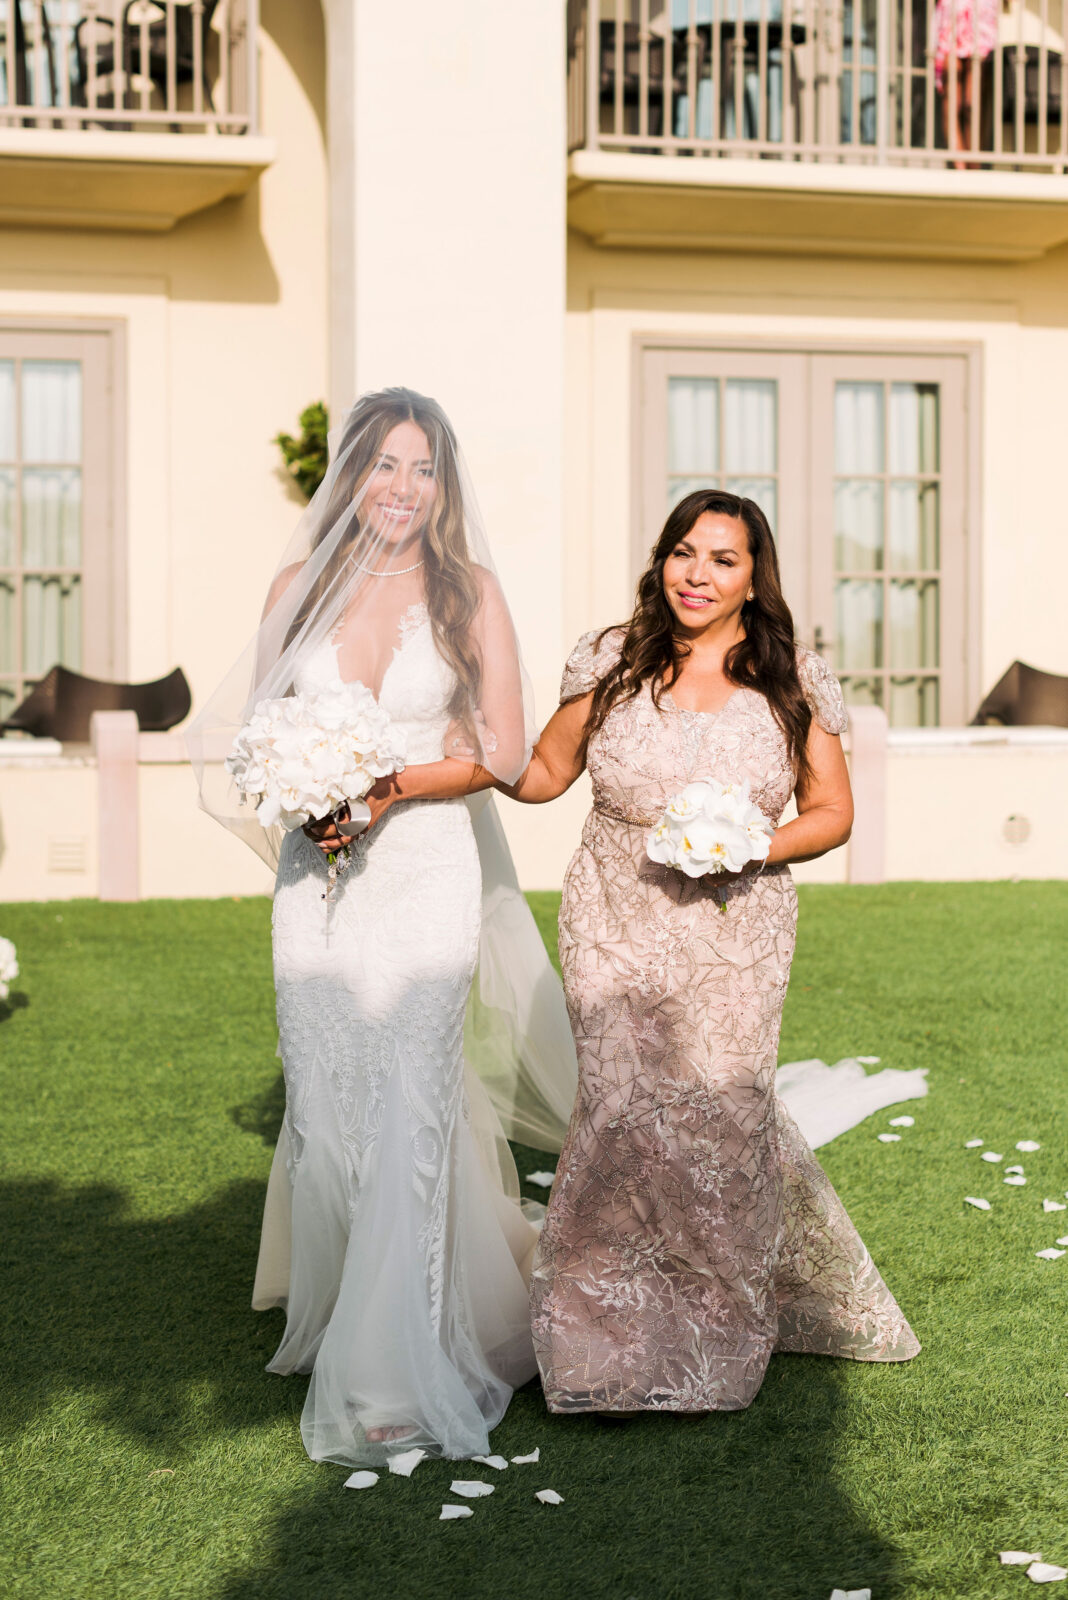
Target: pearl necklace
396 572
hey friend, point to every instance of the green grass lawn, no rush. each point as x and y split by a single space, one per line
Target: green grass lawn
148 1454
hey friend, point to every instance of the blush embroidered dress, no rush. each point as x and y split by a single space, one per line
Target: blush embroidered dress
691 1231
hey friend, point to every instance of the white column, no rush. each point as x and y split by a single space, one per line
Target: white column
447 265
113 736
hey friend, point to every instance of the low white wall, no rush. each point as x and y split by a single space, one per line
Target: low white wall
960 803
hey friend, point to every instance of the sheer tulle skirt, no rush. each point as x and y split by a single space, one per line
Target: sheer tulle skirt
393 1234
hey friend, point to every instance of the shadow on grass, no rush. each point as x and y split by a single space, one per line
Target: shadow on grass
262 1115
14 1002
659 1507
137 1312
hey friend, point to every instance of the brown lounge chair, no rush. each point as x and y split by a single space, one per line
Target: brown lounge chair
1025 698
63 702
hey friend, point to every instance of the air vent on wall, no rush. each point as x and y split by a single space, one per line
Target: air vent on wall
68 854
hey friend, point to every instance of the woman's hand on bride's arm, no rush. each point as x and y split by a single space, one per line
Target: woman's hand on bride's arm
824 804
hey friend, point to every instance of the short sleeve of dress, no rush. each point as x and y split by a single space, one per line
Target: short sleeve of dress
822 691
595 654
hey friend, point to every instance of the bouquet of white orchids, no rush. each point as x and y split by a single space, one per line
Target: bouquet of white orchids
301 758
709 828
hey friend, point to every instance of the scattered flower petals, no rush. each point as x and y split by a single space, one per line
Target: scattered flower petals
361 1480
521 1461
973 1144
869 1061
470 1488
549 1497
850 1594
1014 1169
974 1200
990 1155
1017 1558
1017 1180
1028 1145
1054 1205
491 1461
1046 1572
888 1138
544 1180
450 1513
1063 1239
160 1472
902 1122
1049 1254
404 1465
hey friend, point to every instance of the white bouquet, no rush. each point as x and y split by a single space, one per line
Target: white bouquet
302 758
9 967
708 828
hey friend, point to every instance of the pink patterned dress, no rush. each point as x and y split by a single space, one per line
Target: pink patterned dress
690 1231
962 28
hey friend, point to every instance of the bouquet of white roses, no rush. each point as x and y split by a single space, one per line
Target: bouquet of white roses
710 827
9 967
301 758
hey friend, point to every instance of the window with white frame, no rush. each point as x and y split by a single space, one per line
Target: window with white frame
860 462
60 568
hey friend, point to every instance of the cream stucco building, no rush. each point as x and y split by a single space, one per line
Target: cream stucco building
630 249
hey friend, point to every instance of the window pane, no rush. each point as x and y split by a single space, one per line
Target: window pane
858 428
750 426
679 488
8 700
51 624
914 526
859 615
7 626
858 525
762 490
913 702
914 428
914 623
51 518
693 425
52 411
7 518
863 691
7 411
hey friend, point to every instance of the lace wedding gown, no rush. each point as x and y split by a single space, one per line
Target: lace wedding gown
388 1235
690 1231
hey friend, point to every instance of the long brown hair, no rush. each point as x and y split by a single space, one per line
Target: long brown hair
765 658
452 594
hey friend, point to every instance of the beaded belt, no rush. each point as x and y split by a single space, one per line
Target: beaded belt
617 816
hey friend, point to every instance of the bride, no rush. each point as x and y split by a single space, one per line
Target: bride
393 1235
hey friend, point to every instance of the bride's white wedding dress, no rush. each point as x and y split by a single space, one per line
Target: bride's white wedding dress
389 1237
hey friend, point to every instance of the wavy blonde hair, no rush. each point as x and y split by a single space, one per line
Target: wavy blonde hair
452 591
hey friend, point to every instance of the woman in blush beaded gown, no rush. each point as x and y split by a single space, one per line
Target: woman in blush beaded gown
690 1231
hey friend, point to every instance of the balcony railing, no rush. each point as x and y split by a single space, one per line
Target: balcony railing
181 66
930 83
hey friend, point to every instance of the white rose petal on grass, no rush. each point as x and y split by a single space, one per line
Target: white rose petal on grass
404 1465
869 1061
522 1461
1015 1179
974 1200
549 1497
1028 1146
361 1480
1049 1254
888 1138
544 1180
1014 1169
850 1594
991 1155
491 1461
902 1122
1046 1572
1018 1558
1063 1239
450 1513
1054 1205
973 1144
470 1488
